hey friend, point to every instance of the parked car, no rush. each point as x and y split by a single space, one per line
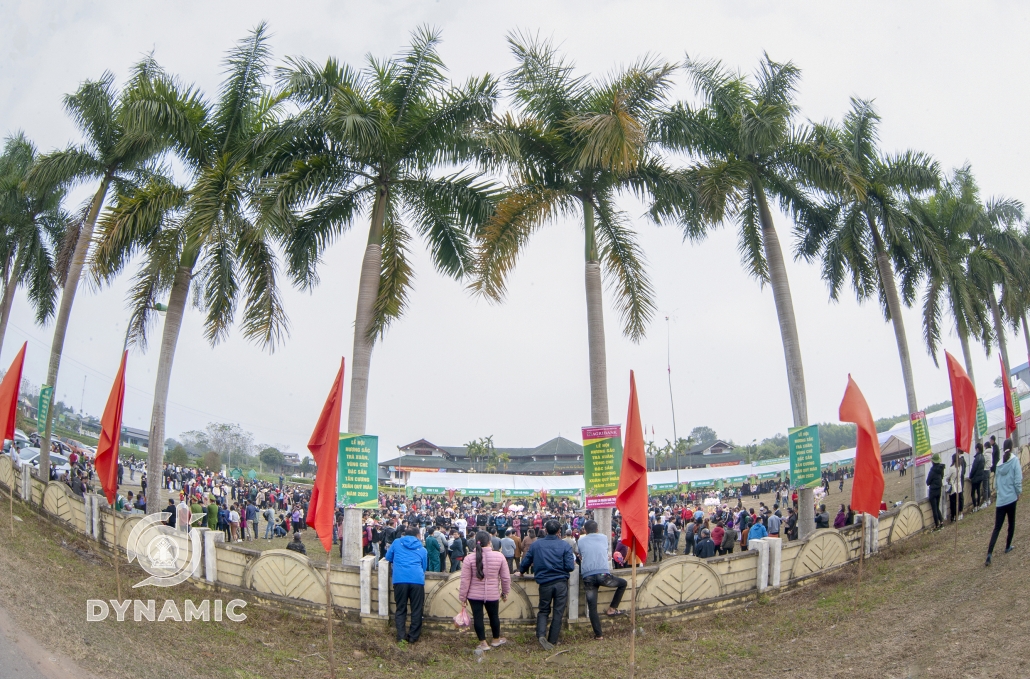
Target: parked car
31 456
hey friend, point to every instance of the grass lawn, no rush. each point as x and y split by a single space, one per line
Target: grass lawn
926 608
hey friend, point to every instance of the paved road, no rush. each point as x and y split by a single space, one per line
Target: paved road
22 657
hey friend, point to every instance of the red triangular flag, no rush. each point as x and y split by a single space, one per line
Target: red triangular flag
867 488
963 404
325 448
9 396
110 436
632 496
1010 408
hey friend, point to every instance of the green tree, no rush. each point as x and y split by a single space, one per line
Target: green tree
32 227
110 155
571 146
206 236
178 456
272 458
212 461
703 435
378 140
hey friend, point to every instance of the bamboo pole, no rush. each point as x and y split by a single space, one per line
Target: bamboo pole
117 557
10 490
633 610
861 554
329 612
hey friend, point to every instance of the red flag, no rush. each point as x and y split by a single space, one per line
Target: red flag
1010 408
632 496
9 396
867 489
110 436
325 448
963 402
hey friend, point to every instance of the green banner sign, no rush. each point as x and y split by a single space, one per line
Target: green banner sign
356 472
662 487
46 394
409 492
428 490
1017 407
520 492
921 447
497 495
474 492
602 462
236 473
805 466
769 475
776 460
981 418
565 492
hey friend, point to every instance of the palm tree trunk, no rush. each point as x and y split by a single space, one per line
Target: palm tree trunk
999 330
890 290
10 287
598 361
967 356
368 292
177 299
1022 317
791 344
71 284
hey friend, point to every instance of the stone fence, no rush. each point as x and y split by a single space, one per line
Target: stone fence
676 586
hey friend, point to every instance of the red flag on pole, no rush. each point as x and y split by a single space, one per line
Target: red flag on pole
867 489
110 436
1010 408
632 496
325 448
963 403
9 396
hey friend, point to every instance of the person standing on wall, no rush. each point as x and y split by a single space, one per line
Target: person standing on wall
409 560
485 582
552 560
1008 483
593 550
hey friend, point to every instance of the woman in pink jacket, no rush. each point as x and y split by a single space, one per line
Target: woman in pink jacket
484 580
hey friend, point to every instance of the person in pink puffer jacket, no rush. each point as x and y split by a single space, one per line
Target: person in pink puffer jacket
485 581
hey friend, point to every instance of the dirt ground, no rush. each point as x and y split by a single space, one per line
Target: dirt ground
926 608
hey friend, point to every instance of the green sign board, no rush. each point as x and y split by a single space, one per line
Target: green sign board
775 460
474 492
236 473
602 462
769 475
921 448
805 467
520 492
565 492
981 418
428 490
662 487
357 481
1017 407
46 394
497 495
409 492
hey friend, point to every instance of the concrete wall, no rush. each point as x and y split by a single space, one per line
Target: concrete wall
678 585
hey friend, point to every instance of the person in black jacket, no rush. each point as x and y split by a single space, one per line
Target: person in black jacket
552 561
934 483
705 547
977 476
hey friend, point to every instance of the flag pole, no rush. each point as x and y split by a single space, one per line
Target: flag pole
861 554
117 558
633 610
329 612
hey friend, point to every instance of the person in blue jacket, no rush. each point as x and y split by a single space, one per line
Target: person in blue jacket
552 561
1008 484
409 560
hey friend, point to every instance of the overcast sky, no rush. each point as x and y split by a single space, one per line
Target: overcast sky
948 78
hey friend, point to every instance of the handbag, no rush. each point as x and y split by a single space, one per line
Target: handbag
462 618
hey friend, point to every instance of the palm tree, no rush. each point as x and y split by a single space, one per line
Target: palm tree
206 235
109 155
571 147
750 150
956 215
375 140
873 234
32 226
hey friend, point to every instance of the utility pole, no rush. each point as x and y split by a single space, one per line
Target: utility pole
672 404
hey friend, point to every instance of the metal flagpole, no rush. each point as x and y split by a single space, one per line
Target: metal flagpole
672 404
861 554
329 612
633 610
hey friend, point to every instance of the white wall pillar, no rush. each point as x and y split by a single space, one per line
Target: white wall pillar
87 510
383 573
211 540
365 584
26 482
95 517
762 547
351 537
775 560
574 594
